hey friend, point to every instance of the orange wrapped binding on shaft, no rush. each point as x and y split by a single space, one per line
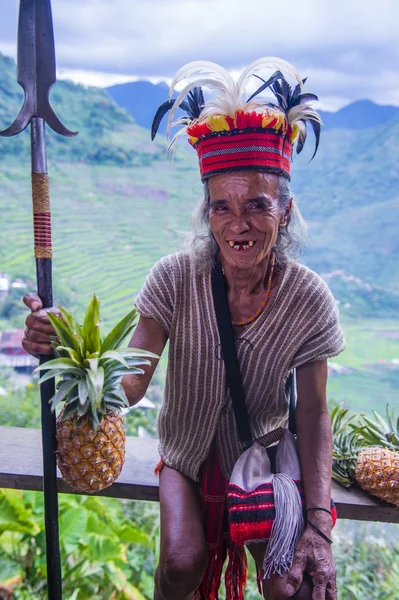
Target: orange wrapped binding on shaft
41 215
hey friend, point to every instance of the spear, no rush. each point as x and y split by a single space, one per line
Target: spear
36 75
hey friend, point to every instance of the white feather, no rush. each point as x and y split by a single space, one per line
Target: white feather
200 66
182 121
269 63
219 86
173 141
303 112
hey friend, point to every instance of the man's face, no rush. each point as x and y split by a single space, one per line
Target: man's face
245 216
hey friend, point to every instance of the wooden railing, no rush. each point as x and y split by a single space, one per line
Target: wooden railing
21 468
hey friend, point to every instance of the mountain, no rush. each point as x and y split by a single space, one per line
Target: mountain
118 205
142 98
361 114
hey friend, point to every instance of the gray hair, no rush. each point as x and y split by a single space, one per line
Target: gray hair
203 248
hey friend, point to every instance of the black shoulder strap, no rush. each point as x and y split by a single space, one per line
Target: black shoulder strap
227 342
293 396
233 374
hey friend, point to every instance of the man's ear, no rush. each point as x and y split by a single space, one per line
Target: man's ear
285 218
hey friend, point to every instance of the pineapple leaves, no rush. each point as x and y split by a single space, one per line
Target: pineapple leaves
93 363
115 356
91 327
119 333
339 420
82 392
70 352
383 424
65 388
62 331
76 330
90 371
70 409
57 367
391 420
95 383
137 352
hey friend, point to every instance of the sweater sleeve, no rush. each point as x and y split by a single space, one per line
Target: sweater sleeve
324 337
156 299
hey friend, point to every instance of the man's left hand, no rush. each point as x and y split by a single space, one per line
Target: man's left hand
313 555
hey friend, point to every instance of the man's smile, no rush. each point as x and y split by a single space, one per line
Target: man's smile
241 245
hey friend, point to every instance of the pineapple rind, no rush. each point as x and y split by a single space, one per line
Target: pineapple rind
377 472
90 460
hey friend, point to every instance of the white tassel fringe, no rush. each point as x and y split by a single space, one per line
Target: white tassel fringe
287 528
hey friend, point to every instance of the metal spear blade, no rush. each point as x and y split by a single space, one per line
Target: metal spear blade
36 67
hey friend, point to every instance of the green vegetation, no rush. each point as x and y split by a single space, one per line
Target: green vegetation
108 548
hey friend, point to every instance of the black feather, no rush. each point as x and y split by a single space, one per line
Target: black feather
159 115
185 106
196 101
305 98
302 140
316 129
277 75
192 106
296 93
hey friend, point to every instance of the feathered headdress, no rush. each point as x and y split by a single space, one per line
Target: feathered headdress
234 132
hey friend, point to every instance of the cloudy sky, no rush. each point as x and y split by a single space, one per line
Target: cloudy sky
349 49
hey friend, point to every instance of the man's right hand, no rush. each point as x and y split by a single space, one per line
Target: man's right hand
38 330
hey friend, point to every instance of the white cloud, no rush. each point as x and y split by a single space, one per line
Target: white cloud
348 48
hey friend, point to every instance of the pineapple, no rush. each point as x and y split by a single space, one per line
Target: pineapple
367 454
89 428
377 466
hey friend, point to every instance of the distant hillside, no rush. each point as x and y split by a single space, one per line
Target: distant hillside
357 297
350 196
359 115
107 134
142 98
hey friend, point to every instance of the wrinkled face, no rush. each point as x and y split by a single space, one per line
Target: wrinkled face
245 216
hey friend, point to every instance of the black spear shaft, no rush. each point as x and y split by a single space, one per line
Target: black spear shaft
40 189
36 75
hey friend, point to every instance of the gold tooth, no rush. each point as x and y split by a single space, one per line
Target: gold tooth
231 243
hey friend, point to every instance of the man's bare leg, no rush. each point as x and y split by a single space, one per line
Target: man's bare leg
183 554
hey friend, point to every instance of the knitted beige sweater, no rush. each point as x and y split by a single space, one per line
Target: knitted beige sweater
299 325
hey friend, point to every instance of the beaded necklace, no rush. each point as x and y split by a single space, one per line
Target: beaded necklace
265 299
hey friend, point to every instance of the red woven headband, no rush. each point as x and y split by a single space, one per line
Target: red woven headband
244 150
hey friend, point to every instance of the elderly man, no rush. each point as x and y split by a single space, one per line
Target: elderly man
283 317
